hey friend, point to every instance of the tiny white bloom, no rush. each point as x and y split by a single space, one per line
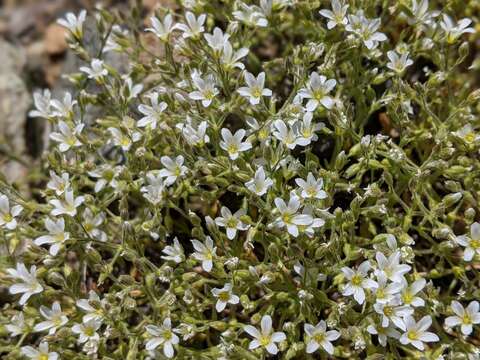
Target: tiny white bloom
420 12
162 335
317 89
8 214
105 174
29 284
250 15
416 333
174 252
471 243
398 63
287 135
162 29
87 331
231 222
217 40
265 337
17 325
96 70
260 183
68 205
174 169
194 135
231 59
64 108
383 333
206 89
336 16
67 137
392 312
312 188
151 113
43 104
54 318
92 313
408 294
468 134
204 252
224 296
306 130
58 183
366 29
255 88
358 281
119 138
454 30
385 292
466 318
91 224
56 237
74 23
132 90
391 266
233 144
289 217
41 354
318 336
194 26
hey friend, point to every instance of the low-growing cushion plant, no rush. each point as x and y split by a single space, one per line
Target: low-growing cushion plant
288 179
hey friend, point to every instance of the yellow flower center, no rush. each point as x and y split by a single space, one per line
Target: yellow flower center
7 218
286 218
265 340
256 92
475 244
167 335
412 335
388 310
356 280
232 223
319 337
466 319
43 357
232 148
470 137
224 296
318 95
89 331
407 297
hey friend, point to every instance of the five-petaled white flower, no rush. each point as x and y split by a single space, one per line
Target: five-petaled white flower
87 331
287 135
119 138
41 353
194 26
318 336
7 214
174 252
391 266
174 169
454 31
398 63
67 137
204 252
231 59
471 243
392 312
43 104
358 281
466 318
231 222
56 237
260 183
386 292
366 29
55 318
29 284
383 333
250 15
162 29
233 144
154 189
206 89
58 183
408 293
289 217
152 113
67 206
217 40
64 108
74 23
416 333
162 335
255 88
317 89
224 296
336 16
96 70
306 130
312 188
17 325
265 337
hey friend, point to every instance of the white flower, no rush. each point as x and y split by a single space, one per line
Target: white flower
319 336
306 130
87 331
408 293
391 266
415 332
113 39
366 29
250 15
162 29
7 214
68 205
74 23
454 31
392 312
398 63
230 222
309 230
230 59
233 144
174 169
29 284
336 16
217 40
265 337
385 292
288 136
255 88
464 317
105 174
421 14
312 188
383 333
288 215
58 183
91 223
55 318
152 113
194 25
471 243
56 237
174 253
467 133
317 90
123 140
206 89
92 313
17 325
64 108
195 135
162 335
358 281
41 354
204 252
153 192
96 70
43 103
224 296
260 183
131 90
66 137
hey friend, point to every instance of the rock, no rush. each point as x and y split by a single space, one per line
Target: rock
55 42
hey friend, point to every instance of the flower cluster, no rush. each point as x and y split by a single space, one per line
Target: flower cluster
263 178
